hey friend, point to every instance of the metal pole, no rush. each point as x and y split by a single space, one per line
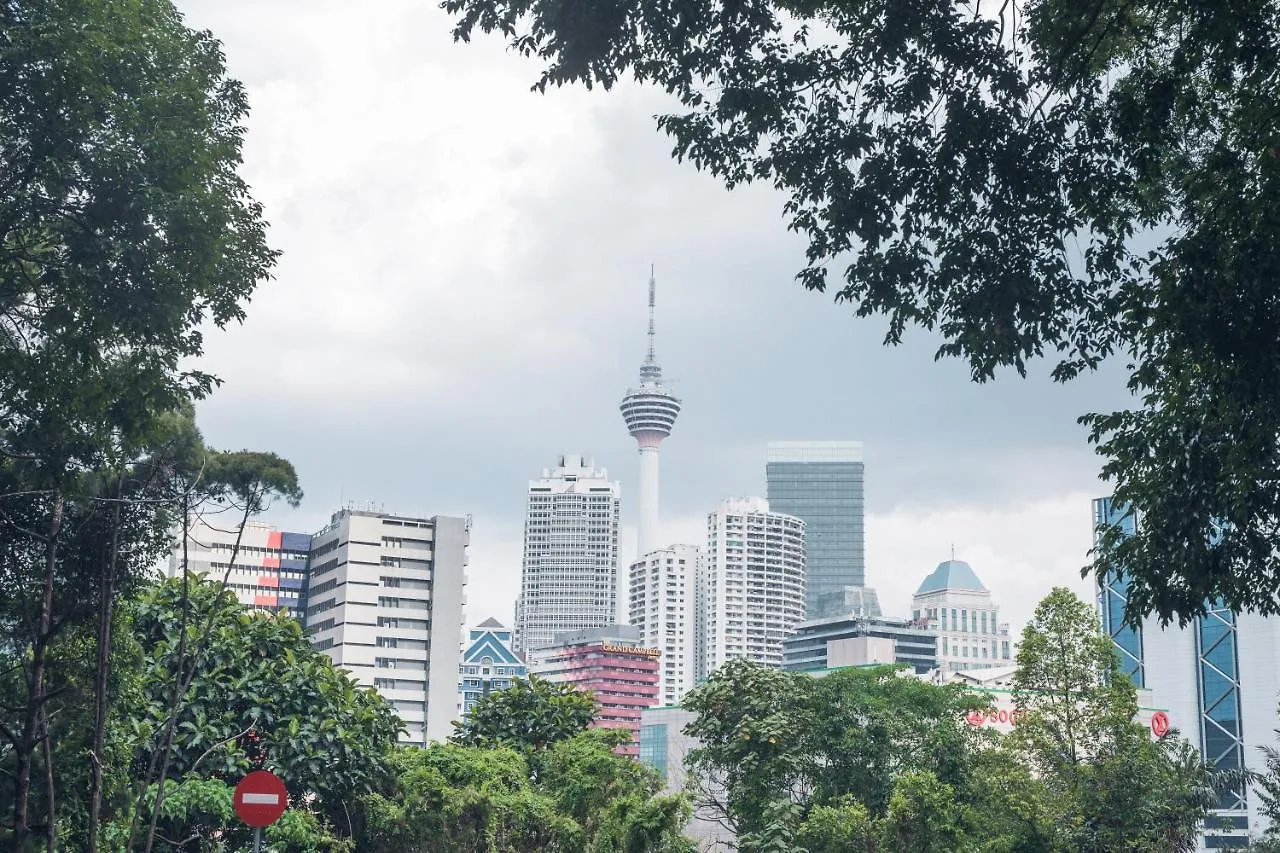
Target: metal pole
257 840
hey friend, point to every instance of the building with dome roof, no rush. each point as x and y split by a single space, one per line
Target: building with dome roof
953 603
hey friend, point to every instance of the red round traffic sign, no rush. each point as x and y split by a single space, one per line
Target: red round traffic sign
260 798
1159 724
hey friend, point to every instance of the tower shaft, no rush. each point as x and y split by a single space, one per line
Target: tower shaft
647 499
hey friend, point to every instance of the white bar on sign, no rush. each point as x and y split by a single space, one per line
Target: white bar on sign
261 799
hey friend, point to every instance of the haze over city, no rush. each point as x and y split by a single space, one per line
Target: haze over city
461 298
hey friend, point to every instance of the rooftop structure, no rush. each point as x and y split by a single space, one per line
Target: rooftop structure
959 610
650 411
855 640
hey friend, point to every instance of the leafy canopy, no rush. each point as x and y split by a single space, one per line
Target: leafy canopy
1047 179
256 673
1111 784
531 714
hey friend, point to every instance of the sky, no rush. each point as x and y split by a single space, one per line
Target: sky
461 298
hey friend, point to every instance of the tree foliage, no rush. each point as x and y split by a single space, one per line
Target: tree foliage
125 234
451 798
843 745
531 714
256 673
1113 785
1047 179
872 759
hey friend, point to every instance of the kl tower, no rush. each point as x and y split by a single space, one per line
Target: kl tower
650 410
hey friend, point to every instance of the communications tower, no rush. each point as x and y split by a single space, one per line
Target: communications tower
650 410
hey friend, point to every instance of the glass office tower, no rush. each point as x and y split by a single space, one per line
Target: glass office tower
821 483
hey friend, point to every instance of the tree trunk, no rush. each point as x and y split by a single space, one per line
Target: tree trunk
51 822
35 682
101 677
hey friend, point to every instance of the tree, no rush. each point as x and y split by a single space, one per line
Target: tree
1042 179
1114 786
451 798
124 233
843 743
261 697
531 714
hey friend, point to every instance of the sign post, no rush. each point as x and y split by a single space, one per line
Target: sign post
259 800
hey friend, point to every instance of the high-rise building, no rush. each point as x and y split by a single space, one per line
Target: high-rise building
385 597
959 610
1219 678
650 411
664 606
821 483
611 663
269 568
755 582
488 664
569 576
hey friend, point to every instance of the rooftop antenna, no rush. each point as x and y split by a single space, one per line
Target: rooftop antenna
652 288
953 552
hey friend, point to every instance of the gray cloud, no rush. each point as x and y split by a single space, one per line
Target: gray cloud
461 297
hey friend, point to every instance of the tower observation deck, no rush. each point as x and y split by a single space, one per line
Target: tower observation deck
650 411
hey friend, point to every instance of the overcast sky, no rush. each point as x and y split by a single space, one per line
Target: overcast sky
461 298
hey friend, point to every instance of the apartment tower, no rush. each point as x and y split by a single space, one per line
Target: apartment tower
755 582
569 574
664 606
385 597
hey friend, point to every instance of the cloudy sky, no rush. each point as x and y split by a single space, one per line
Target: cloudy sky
462 297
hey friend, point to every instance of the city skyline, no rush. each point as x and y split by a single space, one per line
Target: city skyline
542 214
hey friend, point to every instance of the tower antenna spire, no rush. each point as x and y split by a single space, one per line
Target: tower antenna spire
653 286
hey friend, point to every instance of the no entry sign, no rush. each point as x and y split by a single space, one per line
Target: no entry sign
260 798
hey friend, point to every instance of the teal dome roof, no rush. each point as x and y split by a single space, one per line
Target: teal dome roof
951 574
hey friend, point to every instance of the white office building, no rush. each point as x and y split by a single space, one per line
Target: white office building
384 601
755 576
953 604
664 605
264 566
1218 678
569 575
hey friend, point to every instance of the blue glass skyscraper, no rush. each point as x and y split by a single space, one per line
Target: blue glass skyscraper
821 483
1214 676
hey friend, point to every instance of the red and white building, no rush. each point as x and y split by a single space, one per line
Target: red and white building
610 663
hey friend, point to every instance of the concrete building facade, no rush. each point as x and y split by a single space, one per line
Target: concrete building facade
569 573
821 483
385 598
610 662
856 640
755 582
488 664
664 603
264 566
959 610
